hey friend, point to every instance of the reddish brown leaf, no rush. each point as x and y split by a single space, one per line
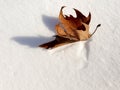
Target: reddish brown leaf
70 29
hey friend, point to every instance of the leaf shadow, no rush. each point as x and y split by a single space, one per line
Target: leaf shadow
50 22
31 41
87 47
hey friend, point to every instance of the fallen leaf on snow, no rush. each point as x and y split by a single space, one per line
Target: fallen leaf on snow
70 29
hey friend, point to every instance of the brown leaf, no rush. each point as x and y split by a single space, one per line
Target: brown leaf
59 41
70 29
77 27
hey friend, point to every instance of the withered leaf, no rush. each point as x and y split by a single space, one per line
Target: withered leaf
70 29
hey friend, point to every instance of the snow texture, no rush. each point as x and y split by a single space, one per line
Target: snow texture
90 65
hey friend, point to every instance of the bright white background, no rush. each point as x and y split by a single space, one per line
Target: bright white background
90 65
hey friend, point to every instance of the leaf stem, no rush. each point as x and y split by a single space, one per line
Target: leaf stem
96 29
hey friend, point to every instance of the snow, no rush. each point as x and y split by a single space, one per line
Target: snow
90 65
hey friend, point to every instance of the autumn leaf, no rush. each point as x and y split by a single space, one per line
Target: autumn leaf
70 29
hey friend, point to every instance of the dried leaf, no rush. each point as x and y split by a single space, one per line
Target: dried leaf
70 29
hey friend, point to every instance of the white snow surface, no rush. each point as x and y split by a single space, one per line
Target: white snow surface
90 65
